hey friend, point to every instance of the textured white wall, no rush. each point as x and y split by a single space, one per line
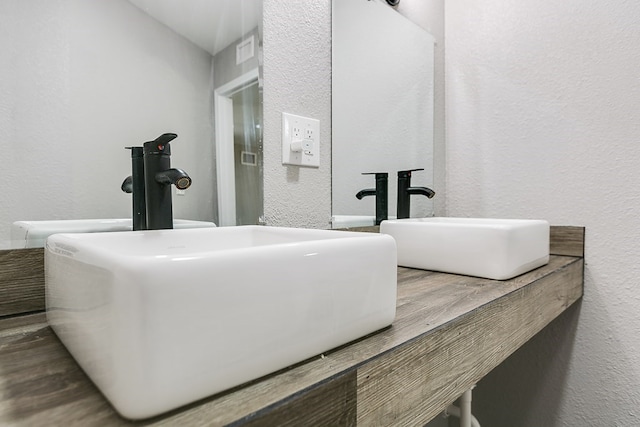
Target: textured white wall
543 121
297 80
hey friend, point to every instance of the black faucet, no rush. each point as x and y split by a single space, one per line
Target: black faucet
381 193
134 184
150 183
405 191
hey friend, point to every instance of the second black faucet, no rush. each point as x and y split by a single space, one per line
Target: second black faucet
405 190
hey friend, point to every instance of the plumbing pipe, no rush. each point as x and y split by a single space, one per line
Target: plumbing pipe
453 410
464 411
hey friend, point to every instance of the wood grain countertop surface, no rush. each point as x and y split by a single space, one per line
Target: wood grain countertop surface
449 332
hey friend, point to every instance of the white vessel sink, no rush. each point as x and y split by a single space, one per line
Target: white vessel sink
32 234
159 319
492 248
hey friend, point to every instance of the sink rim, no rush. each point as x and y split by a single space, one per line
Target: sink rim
99 243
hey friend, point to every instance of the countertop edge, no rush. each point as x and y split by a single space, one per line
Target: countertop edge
345 386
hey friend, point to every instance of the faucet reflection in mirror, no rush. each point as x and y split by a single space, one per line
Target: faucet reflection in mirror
150 183
405 191
381 192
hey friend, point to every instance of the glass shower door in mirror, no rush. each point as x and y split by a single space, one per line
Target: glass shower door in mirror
238 131
247 154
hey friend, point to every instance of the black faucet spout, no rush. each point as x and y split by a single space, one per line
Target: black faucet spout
366 192
422 191
405 190
174 176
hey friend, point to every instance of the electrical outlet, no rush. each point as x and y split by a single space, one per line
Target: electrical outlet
300 141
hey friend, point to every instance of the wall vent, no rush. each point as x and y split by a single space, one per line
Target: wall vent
245 50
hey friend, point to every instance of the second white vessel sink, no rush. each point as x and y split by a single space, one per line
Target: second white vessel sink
159 319
492 248
348 221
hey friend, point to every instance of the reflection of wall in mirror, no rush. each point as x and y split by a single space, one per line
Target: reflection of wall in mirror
382 104
79 81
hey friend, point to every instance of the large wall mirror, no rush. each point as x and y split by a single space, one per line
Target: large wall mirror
81 80
382 107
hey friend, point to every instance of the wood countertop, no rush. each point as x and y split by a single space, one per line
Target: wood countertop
449 332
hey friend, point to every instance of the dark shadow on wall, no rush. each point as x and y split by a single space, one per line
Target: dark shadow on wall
532 378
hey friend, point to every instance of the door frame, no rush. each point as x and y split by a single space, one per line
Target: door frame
225 169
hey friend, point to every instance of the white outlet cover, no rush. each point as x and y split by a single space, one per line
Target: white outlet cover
304 132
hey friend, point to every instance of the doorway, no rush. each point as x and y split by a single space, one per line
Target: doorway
247 149
239 154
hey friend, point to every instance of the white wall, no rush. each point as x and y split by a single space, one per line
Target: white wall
543 121
81 80
131 80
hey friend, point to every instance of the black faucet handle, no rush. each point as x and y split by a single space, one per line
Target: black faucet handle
407 173
377 174
160 145
165 138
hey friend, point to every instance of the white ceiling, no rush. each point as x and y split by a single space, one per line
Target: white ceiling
210 24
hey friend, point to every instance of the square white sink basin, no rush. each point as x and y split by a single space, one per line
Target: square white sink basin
33 234
159 319
492 248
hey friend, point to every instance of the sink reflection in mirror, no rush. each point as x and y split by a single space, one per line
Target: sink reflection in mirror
492 248
161 318
349 221
33 234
